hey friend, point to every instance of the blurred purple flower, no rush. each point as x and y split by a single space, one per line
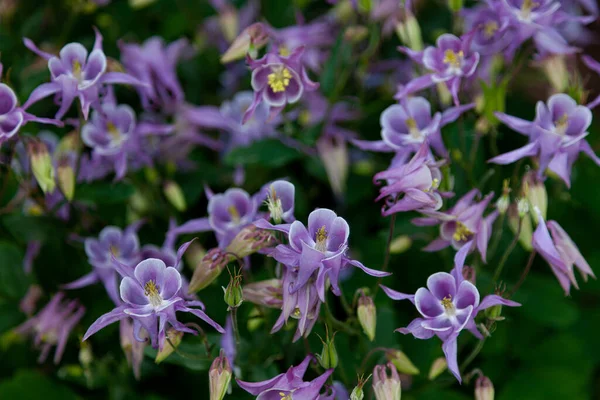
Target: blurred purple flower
133 349
492 28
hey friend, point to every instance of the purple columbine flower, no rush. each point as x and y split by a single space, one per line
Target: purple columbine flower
560 252
75 73
152 294
447 305
289 385
406 126
155 64
412 186
463 226
491 25
278 80
556 136
280 200
52 325
449 61
124 246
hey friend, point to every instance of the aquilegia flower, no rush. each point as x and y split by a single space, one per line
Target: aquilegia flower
289 385
560 252
447 305
74 73
124 246
406 126
151 296
449 61
556 136
491 24
52 325
278 80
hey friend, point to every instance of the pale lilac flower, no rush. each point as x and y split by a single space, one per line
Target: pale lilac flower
278 80
409 124
152 294
386 387
447 305
289 385
133 349
556 136
123 245
412 186
451 60
560 252
492 28
463 226
75 73
27 304
52 326
279 197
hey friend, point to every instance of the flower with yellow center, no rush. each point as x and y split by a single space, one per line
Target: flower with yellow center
527 7
448 305
284 51
562 124
235 215
321 239
490 28
461 233
114 250
285 396
77 69
114 132
453 58
151 291
413 129
279 78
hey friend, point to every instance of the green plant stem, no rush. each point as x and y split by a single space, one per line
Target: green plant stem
524 274
497 237
472 355
507 253
234 321
386 261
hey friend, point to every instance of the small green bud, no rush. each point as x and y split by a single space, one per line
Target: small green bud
493 312
86 357
438 366
328 357
219 377
41 165
535 192
234 295
211 266
66 178
174 194
401 361
455 5
400 244
174 339
251 39
357 392
522 207
409 32
367 315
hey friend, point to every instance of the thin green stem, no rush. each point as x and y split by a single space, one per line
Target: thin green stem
236 331
524 274
386 261
497 237
507 253
472 355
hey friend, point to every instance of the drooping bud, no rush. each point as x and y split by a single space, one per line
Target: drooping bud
250 240
357 392
255 318
504 201
535 192
333 152
526 227
557 72
219 376
484 389
234 295
174 194
173 339
86 357
211 266
438 366
328 357
66 177
367 315
401 361
267 293
229 21
195 253
469 274
400 244
252 38
522 207
386 387
41 165
409 32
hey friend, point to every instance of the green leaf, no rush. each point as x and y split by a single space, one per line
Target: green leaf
195 358
103 193
32 385
28 228
13 282
545 383
267 153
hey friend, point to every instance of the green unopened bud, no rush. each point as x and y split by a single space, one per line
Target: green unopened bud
234 295
41 165
438 366
400 244
229 21
358 392
444 93
195 253
211 266
172 341
409 32
557 72
494 312
401 361
86 357
174 194
219 377
522 207
365 6
526 227
66 178
535 192
250 240
328 357
267 293
252 38
137 4
504 201
484 389
367 315
455 5
356 33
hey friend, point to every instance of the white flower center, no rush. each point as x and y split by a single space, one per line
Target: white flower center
321 239
151 291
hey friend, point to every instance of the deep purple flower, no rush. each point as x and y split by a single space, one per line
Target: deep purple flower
112 242
289 385
406 126
155 64
412 186
152 294
447 305
278 80
449 61
52 325
74 73
556 136
463 226
560 252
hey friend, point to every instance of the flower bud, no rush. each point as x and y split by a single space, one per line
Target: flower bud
401 362
219 376
400 244
334 155
484 389
386 388
504 201
444 94
355 33
253 37
28 302
526 228
66 178
174 194
195 253
409 32
41 165
86 357
367 315
438 366
455 5
133 349
535 192
557 72
173 340
250 240
357 392
234 295
328 357
522 208
469 274
209 269
267 293
229 21
255 318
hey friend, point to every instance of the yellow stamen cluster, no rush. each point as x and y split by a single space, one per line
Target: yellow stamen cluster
413 129
284 51
461 233
77 69
435 183
114 250
152 293
285 396
447 302
235 215
562 124
321 239
490 28
453 58
279 79
113 130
